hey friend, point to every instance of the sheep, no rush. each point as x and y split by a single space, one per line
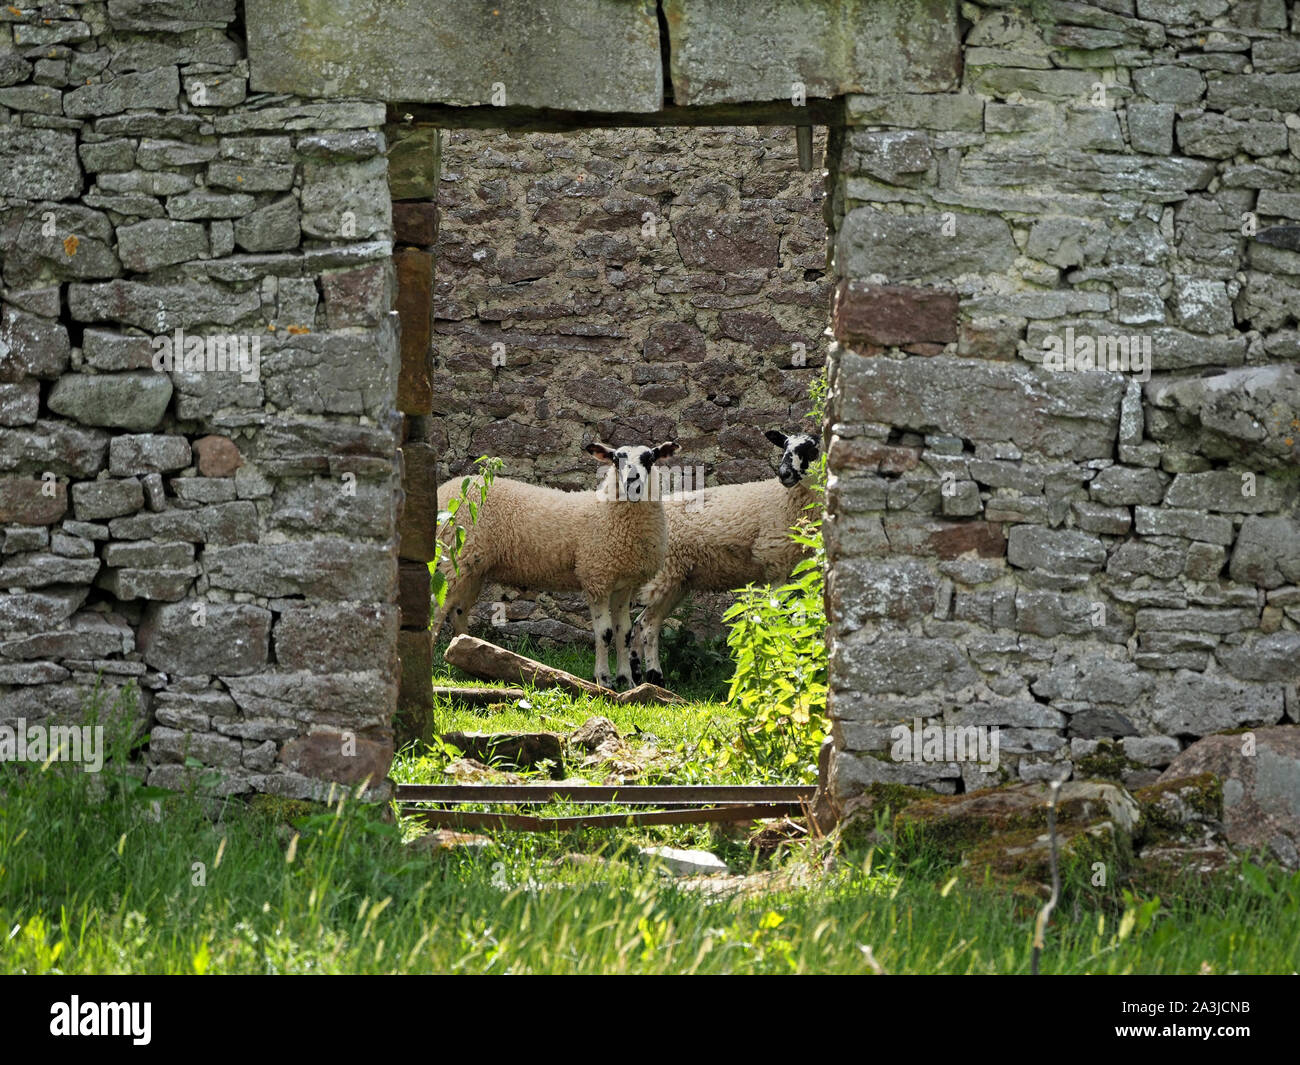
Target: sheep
605 543
725 537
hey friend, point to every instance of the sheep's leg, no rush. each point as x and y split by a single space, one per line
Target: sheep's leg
636 661
621 611
650 624
602 624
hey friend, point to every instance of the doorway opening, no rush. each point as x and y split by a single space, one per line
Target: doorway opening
628 283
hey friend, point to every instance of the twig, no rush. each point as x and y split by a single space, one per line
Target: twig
1046 912
869 954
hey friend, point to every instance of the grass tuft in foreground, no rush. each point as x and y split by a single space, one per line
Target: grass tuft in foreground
100 875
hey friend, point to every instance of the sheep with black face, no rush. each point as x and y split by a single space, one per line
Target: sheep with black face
725 537
605 543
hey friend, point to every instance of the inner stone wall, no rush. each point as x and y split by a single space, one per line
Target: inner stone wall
1073 555
222 542
633 285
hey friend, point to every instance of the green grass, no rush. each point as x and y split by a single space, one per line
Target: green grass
697 670
674 732
92 880
675 727
115 892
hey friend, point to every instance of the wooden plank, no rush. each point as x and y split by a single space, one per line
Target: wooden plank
816 112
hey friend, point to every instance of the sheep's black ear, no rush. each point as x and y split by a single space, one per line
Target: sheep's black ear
664 450
778 438
603 452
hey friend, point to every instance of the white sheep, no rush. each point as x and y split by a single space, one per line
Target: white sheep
605 543
725 537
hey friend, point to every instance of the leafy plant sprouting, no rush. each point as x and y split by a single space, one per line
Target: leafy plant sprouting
777 640
450 541
778 643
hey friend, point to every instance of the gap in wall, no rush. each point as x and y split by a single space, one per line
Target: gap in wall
645 284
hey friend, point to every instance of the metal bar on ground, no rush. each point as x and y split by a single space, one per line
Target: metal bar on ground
530 823
632 794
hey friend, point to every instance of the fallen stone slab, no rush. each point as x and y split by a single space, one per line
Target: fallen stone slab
684 862
446 839
959 822
487 661
648 693
520 750
477 696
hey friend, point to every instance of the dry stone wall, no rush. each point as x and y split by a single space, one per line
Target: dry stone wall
207 532
633 285
1018 538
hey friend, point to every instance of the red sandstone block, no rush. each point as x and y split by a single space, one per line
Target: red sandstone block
417 526
413 594
415 310
415 223
894 315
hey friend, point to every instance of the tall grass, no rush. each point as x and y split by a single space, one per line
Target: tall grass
90 881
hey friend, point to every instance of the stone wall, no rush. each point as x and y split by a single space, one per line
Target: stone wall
633 285
1074 555
1071 554
221 541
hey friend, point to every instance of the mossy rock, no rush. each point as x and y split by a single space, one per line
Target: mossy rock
1021 861
1181 870
281 811
857 826
1107 762
950 826
1174 810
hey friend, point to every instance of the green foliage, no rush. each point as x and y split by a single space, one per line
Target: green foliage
778 643
451 540
694 667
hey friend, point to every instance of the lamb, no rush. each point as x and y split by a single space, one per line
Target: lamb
725 537
606 543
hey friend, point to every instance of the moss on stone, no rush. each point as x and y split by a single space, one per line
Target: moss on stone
947 826
858 826
279 810
1203 795
1107 762
1022 860
896 796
